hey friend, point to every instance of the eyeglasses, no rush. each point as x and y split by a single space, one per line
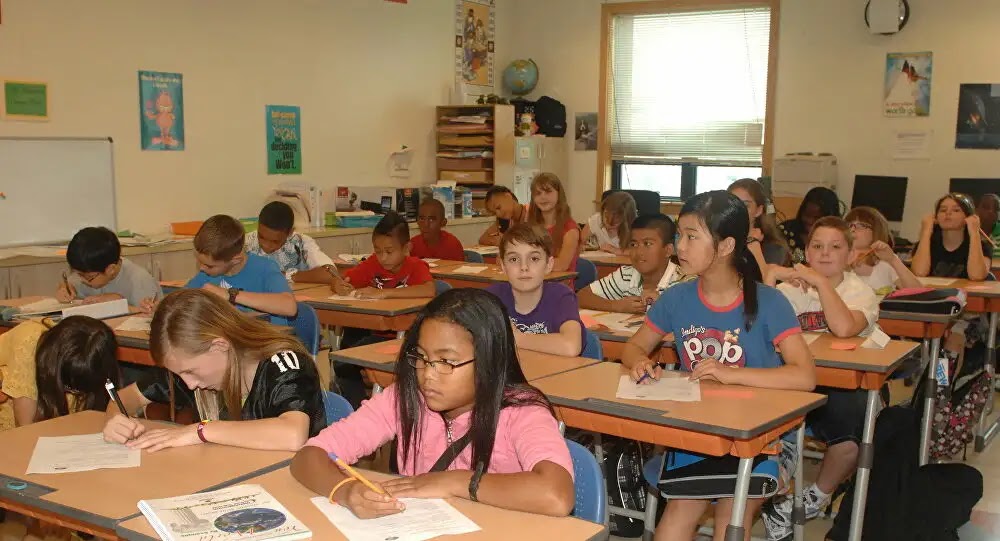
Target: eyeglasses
444 367
859 225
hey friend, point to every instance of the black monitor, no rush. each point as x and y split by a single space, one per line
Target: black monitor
974 187
885 194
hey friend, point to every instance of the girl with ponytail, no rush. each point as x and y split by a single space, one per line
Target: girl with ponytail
728 327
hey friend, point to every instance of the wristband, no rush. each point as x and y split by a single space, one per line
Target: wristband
201 431
338 485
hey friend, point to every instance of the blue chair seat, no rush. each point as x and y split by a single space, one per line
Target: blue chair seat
336 407
473 257
586 273
592 348
307 327
440 286
591 495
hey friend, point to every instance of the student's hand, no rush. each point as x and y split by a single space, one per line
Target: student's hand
120 429
444 484
708 368
644 367
650 298
341 287
809 275
974 225
608 248
787 275
883 251
927 223
162 438
368 293
630 305
147 306
366 503
217 291
65 295
757 233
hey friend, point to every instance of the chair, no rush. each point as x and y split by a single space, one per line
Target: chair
473 257
592 348
646 201
586 273
591 494
307 327
440 286
336 407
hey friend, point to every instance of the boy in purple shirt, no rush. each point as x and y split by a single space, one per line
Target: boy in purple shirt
545 315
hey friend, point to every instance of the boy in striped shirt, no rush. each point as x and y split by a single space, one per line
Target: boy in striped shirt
632 288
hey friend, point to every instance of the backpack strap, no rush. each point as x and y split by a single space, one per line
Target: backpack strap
451 453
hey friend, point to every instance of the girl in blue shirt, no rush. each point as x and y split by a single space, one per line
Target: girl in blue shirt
728 330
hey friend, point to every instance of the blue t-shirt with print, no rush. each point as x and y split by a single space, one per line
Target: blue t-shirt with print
259 275
718 332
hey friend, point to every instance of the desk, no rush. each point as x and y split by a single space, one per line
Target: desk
381 365
496 523
171 285
606 263
729 420
95 501
491 275
377 315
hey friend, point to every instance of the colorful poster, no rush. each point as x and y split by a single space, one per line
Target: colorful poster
978 111
26 100
907 84
284 140
475 27
161 111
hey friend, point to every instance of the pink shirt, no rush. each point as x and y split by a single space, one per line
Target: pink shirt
525 436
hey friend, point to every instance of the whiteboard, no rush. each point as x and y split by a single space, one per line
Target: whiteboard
55 187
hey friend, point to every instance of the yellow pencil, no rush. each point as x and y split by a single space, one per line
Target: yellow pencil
357 475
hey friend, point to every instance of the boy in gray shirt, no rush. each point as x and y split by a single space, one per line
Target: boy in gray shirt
100 274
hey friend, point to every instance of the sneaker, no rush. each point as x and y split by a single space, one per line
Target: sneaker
814 504
777 518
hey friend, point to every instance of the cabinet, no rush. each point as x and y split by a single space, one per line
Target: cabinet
180 265
536 154
32 280
5 292
478 151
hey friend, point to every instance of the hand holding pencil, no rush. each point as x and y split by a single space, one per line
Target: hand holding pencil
363 497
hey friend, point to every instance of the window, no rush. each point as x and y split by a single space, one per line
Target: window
687 97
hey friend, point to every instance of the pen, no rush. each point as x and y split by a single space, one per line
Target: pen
66 282
113 393
647 375
357 475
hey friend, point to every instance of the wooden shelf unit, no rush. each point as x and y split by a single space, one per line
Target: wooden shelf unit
479 173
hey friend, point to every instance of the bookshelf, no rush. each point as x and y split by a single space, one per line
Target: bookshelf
475 153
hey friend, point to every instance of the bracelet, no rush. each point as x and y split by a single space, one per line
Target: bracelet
201 431
340 484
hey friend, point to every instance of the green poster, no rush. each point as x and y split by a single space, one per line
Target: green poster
26 100
284 140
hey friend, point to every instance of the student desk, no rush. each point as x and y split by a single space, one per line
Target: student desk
377 315
95 501
491 275
172 285
497 524
613 340
605 262
379 361
729 419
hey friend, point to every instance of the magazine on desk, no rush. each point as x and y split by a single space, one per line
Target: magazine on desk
244 512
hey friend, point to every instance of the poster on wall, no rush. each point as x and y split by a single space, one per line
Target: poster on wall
585 137
161 110
25 100
978 123
474 30
284 140
907 84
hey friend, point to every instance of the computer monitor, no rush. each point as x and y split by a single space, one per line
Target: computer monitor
885 194
974 187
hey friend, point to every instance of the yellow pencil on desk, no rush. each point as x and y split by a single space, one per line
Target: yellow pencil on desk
357 475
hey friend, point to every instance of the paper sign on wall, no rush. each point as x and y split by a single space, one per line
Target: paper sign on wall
284 140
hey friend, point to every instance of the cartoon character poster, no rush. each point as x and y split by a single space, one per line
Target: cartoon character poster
908 84
474 30
161 111
284 140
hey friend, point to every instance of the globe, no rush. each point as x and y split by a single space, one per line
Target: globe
520 76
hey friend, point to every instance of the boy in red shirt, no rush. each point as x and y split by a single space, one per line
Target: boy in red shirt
433 240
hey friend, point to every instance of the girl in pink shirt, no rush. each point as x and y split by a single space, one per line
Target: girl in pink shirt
467 423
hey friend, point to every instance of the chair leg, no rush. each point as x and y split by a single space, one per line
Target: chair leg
649 521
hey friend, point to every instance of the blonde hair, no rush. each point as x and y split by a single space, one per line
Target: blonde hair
563 215
189 320
878 223
621 205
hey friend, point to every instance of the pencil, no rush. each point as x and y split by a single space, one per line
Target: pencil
357 475
66 282
987 237
862 257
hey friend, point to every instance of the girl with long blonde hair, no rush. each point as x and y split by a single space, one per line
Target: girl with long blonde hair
550 210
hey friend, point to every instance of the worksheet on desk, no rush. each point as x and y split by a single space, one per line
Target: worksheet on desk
422 519
88 452
670 386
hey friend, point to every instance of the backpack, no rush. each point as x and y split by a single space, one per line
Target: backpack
623 461
947 301
550 115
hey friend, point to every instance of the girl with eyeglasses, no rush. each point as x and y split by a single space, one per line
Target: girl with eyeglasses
873 258
466 422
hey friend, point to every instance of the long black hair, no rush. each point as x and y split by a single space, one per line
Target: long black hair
499 381
824 198
725 216
76 356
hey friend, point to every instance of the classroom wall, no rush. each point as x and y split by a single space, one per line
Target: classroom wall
829 94
366 73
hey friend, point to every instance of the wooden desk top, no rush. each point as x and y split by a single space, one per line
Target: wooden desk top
607 260
989 289
492 274
535 365
296 286
882 361
736 412
103 497
496 523
319 298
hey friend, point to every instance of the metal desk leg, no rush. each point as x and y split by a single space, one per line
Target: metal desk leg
865 456
986 431
798 505
735 530
931 394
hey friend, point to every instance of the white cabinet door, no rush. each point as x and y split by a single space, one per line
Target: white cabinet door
174 265
345 244
5 292
32 280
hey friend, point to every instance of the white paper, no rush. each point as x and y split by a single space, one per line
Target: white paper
352 258
616 321
80 453
911 145
670 386
347 298
99 310
422 519
811 337
937 282
431 262
135 324
485 250
595 254
47 305
876 340
468 269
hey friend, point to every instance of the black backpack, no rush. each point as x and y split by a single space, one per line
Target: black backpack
623 461
948 301
550 115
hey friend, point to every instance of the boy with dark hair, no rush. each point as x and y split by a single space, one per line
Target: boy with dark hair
433 241
246 280
101 274
297 255
633 288
509 212
390 272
